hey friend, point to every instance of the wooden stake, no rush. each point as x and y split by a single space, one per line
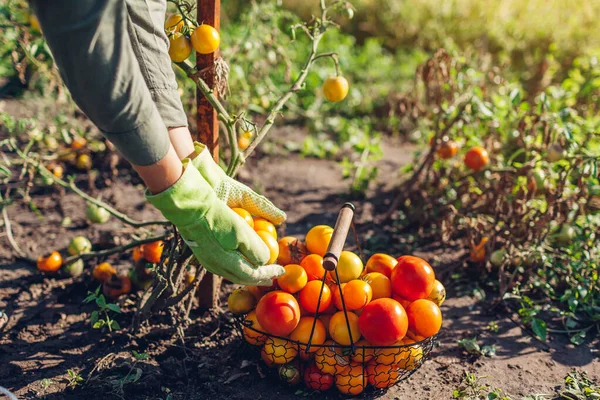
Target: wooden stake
209 12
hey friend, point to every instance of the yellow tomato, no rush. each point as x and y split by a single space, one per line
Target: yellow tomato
318 238
205 39
349 267
271 244
335 88
261 224
180 47
245 215
174 23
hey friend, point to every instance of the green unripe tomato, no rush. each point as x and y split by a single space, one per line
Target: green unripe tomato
497 257
97 215
74 269
565 235
79 245
539 177
555 153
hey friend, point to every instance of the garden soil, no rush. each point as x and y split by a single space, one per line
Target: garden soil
48 331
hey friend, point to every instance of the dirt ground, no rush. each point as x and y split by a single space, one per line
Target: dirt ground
48 330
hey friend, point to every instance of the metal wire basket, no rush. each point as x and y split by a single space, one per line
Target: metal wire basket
351 368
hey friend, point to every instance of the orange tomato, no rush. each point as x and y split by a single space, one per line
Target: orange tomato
357 294
309 297
330 358
413 278
381 285
137 253
337 296
447 149
294 279
338 328
388 355
261 224
335 88
103 272
245 215
313 265
278 312
382 376
153 251
291 251
50 263
349 267
381 263
383 322
318 238
303 331
476 158
424 317
243 143
279 351
351 380
271 244
363 351
241 301
477 251
251 326
78 143
116 286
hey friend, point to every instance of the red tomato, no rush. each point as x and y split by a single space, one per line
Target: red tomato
383 322
413 278
316 380
313 265
278 313
424 317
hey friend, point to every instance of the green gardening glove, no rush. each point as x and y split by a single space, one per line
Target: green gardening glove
232 192
221 241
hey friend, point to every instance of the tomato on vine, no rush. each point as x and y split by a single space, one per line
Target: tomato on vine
205 39
180 47
335 88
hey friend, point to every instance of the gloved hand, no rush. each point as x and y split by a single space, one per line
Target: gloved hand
232 192
217 236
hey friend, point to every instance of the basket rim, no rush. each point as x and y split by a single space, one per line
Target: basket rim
425 342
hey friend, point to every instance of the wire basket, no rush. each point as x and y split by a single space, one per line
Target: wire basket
351 368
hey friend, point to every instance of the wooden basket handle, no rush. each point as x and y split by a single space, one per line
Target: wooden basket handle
338 238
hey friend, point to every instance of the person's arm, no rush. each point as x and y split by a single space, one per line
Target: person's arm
92 49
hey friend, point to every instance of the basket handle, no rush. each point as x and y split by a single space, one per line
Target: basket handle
338 238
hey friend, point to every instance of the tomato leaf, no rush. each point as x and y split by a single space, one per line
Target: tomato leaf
115 325
114 308
539 328
94 317
99 324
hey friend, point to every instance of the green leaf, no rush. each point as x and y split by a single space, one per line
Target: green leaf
488 350
99 324
115 325
578 338
114 308
101 301
139 356
94 317
539 328
470 345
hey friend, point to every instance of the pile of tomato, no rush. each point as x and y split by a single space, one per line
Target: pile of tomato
368 330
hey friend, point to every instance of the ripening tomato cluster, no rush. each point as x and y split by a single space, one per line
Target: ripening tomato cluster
389 302
184 37
114 285
476 158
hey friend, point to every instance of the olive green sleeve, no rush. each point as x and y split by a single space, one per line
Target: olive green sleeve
92 48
